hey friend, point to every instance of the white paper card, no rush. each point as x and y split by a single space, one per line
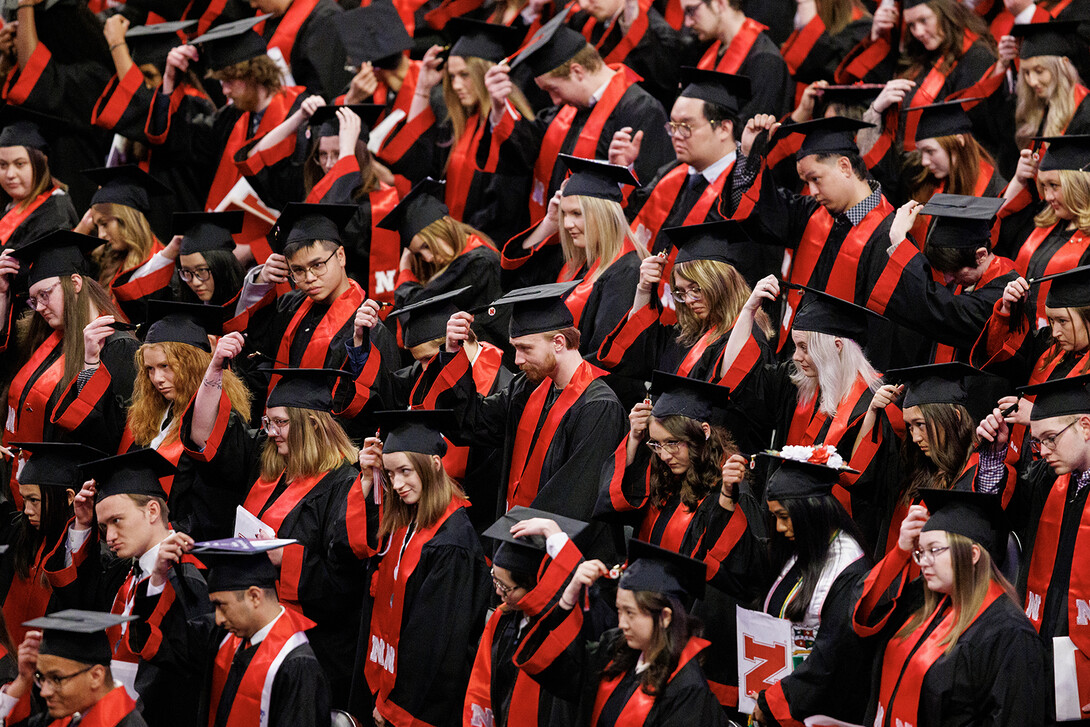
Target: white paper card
764 654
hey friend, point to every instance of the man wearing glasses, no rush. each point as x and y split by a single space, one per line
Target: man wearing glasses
1056 583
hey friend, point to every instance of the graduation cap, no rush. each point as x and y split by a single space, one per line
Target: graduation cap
823 313
722 89
1059 397
975 515
306 388
207 231
58 254
961 221
373 33
593 178
794 479
128 185
538 308
524 555
133 473
426 320
24 133
553 45
720 241
1066 152
1069 289
56 464
943 119
655 569
415 430
477 39
323 122
422 206
305 223
693 398
1055 38
942 383
188 323
78 635
830 135
236 564
856 94
231 43
152 43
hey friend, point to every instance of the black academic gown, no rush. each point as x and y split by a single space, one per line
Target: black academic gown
317 55
56 213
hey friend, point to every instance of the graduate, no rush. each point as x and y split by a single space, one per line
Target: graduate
430 558
825 31
125 496
957 645
35 203
375 39
206 270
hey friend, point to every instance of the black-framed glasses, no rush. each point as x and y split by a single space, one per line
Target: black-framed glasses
681 296
299 274
670 447
1036 444
41 297
500 586
40 680
202 273
927 557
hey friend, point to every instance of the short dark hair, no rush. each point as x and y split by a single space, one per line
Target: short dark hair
269 593
859 167
293 247
261 70
716 114
951 259
571 337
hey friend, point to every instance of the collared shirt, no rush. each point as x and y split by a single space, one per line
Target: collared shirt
262 632
713 170
991 472
741 177
597 95
1026 16
856 214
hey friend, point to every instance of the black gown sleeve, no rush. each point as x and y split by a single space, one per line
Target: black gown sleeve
300 694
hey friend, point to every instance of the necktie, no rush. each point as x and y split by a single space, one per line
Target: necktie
694 187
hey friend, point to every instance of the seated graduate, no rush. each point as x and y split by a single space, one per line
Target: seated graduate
206 269
124 506
958 648
430 558
647 670
532 561
256 665
67 656
34 203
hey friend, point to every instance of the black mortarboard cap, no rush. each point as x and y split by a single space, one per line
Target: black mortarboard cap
722 89
422 206
133 473
1066 152
829 135
594 178
1055 38
426 320
538 308
306 388
856 94
975 515
655 569
693 398
1059 397
207 231
793 480
230 43
60 253
961 220
127 185
21 132
1069 289
524 555
56 464
722 241
78 635
235 564
824 313
553 45
189 323
300 222
323 121
477 39
373 32
942 383
152 43
415 430
942 119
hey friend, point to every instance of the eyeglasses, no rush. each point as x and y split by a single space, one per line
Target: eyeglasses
40 680
670 447
680 129
299 274
201 274
690 12
42 297
503 589
683 295
273 426
927 557
1036 444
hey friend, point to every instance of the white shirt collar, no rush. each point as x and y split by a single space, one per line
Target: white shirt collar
597 95
641 665
1026 16
262 632
147 560
712 171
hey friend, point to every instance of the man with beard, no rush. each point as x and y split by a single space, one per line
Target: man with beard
557 421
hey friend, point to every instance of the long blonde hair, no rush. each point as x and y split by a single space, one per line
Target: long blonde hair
837 14
605 230
459 114
437 489
1075 186
1056 111
316 444
188 364
135 234
837 371
724 292
444 232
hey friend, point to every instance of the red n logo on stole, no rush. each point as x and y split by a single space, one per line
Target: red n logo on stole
772 660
